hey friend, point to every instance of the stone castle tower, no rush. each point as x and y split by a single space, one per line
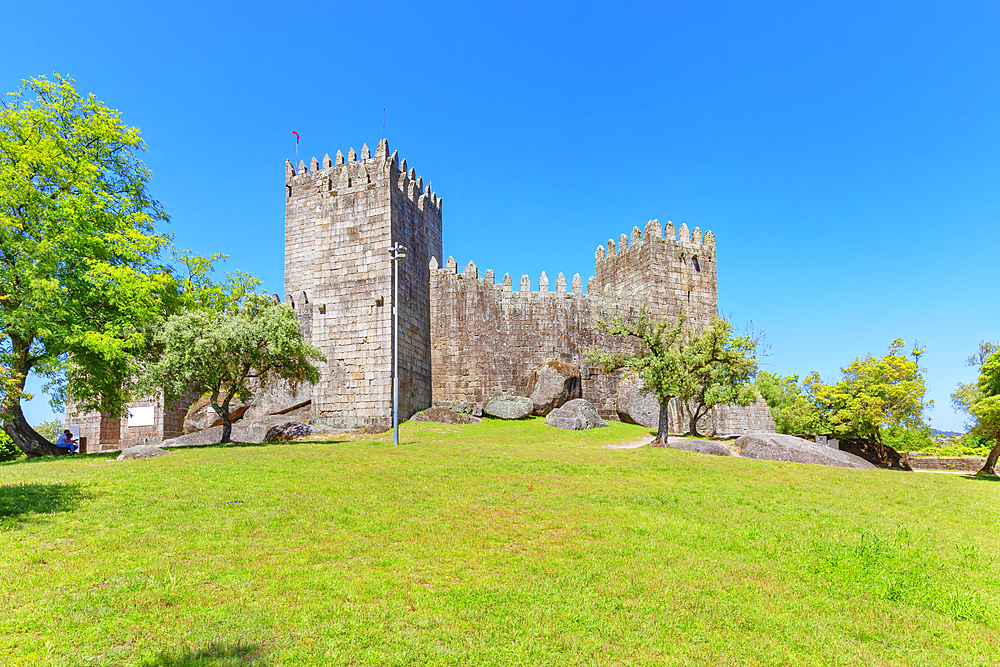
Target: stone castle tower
341 218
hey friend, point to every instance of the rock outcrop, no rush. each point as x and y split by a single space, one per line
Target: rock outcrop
576 415
279 398
702 447
444 416
141 452
551 385
635 406
780 447
201 415
509 407
273 428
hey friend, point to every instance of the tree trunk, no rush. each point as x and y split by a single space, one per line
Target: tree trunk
23 435
695 417
663 426
14 424
991 460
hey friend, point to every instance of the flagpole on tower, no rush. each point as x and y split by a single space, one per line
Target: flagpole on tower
296 145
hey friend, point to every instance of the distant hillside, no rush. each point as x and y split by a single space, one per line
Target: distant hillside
935 432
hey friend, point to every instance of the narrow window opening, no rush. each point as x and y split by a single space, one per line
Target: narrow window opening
289 189
697 267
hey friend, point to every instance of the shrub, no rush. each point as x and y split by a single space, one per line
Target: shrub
8 450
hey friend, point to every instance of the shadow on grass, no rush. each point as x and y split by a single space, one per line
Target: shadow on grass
982 478
213 655
18 500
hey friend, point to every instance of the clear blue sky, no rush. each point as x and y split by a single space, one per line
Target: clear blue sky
847 157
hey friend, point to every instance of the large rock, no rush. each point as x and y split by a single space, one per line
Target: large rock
280 398
274 428
634 405
208 436
780 447
201 415
509 407
443 415
551 385
702 447
141 452
576 415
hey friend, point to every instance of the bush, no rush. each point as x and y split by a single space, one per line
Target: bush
8 450
50 430
970 444
916 439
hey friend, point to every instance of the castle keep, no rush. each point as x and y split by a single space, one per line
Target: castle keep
464 338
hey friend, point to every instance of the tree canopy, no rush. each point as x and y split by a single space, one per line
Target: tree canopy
875 396
221 351
79 271
701 368
982 400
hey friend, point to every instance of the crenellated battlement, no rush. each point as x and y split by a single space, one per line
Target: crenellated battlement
686 244
359 172
505 286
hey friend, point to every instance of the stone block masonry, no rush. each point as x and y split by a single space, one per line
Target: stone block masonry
341 218
486 337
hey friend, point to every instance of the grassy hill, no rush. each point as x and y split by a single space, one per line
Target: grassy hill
493 544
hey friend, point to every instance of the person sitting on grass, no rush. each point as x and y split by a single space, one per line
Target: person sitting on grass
66 441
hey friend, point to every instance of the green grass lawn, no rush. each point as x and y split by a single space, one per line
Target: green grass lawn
494 544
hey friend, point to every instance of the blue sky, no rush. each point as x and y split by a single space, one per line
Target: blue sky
847 157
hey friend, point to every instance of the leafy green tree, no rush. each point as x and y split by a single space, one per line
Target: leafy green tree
79 278
702 368
984 404
876 394
50 430
793 406
218 352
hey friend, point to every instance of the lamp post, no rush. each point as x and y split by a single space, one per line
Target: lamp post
396 252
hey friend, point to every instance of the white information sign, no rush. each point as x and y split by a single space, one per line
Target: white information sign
140 416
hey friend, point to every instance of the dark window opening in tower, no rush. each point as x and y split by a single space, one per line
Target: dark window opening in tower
697 267
289 188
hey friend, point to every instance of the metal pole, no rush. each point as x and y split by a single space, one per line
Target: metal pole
397 252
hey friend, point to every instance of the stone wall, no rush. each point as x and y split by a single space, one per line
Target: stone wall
668 272
340 221
723 419
106 433
486 337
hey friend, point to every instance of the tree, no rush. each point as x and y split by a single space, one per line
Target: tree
79 278
219 351
793 406
982 400
876 394
50 430
701 368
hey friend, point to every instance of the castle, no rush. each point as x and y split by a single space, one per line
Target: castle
464 338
